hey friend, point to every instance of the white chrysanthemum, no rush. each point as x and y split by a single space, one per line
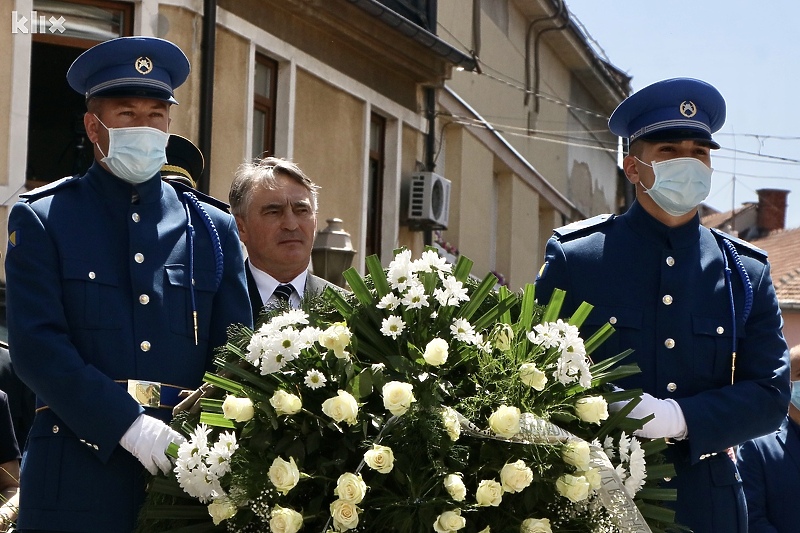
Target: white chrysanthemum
400 274
309 335
546 334
258 345
389 301
483 345
315 379
290 318
463 330
393 326
288 344
608 447
432 262
415 298
638 469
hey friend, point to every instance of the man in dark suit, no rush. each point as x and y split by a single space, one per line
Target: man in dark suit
770 468
697 306
275 206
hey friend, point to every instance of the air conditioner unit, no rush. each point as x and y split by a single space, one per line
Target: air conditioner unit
428 201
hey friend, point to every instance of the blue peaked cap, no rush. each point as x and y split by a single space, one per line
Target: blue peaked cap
671 110
140 67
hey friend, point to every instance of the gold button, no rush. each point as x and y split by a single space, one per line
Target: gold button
667 299
670 261
55 429
720 330
92 275
136 217
612 320
139 258
145 346
671 387
144 299
669 343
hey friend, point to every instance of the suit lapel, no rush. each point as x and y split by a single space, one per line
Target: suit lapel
788 437
255 297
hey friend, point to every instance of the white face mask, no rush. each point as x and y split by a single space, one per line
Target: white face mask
680 184
135 154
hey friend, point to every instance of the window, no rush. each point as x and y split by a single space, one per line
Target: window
57 142
264 106
377 135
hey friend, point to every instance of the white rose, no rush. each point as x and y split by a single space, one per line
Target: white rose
532 376
489 492
284 474
592 409
350 488
451 423
455 487
535 525
505 421
336 338
576 488
344 514
398 397
380 458
239 409
449 521
577 454
593 477
221 509
436 352
342 408
285 403
516 476
503 337
283 520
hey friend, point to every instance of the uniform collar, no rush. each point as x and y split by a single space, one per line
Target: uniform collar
114 189
650 228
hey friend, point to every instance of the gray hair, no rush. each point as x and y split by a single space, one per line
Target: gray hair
265 172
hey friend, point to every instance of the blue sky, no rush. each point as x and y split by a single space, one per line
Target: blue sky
748 50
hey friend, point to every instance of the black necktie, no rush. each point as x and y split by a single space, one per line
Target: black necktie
283 291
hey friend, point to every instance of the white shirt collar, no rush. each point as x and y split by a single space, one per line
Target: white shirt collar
267 284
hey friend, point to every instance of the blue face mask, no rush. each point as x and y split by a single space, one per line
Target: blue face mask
796 394
680 184
135 154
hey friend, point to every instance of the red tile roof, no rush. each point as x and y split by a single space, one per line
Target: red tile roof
783 247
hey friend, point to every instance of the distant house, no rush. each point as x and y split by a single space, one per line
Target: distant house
762 224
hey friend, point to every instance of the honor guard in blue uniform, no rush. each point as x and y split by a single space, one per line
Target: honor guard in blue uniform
697 306
185 161
119 288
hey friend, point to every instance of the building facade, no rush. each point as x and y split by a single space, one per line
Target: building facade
503 99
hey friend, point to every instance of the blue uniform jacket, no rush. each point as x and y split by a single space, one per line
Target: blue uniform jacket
98 290
664 291
770 467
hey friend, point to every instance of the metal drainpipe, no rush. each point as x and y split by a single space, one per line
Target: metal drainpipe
430 146
207 88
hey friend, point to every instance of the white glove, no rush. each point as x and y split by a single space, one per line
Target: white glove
668 422
147 440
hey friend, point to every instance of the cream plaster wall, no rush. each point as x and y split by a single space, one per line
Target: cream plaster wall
525 247
6 59
329 147
791 327
469 167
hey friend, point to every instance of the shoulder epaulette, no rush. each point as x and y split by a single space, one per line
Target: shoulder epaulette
583 226
49 189
741 245
205 198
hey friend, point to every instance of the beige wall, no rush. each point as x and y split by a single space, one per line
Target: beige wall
329 147
791 327
6 58
525 246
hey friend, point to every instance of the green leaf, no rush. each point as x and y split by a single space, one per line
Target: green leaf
463 268
223 383
553 309
358 287
486 286
375 270
599 337
665 495
216 420
580 314
528 305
